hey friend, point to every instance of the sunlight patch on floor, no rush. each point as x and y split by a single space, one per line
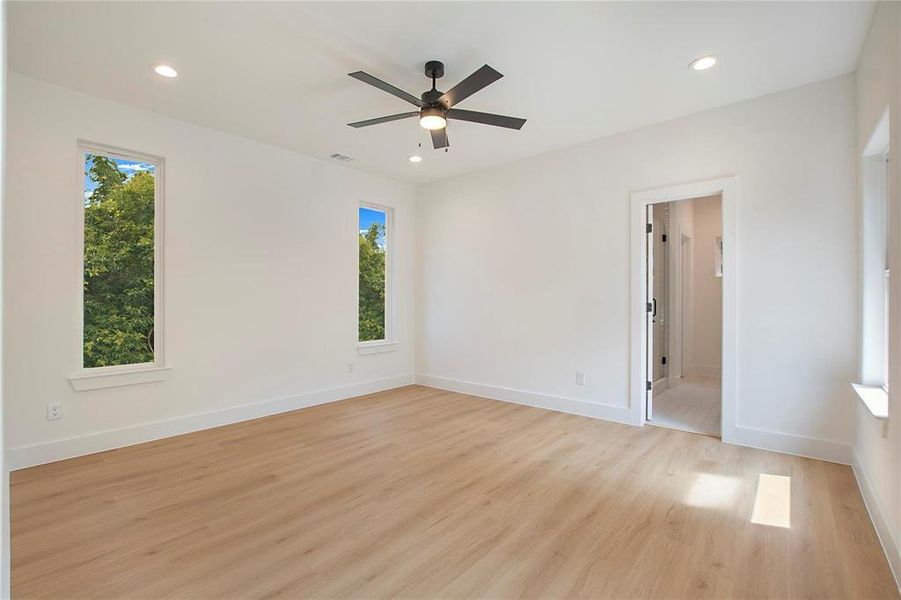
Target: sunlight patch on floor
712 491
772 505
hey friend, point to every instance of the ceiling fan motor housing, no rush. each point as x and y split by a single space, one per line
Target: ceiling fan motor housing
430 98
432 111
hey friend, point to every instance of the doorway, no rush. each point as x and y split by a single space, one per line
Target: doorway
683 325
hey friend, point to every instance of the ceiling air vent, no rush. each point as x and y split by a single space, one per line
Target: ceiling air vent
341 157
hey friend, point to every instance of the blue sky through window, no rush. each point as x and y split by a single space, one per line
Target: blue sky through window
369 216
129 167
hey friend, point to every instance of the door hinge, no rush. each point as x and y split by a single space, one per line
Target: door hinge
649 307
664 238
648 386
649 227
662 360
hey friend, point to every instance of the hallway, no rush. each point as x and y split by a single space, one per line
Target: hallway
693 406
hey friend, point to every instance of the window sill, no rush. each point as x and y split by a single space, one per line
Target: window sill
88 380
364 348
874 398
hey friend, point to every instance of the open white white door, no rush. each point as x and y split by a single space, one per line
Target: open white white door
651 310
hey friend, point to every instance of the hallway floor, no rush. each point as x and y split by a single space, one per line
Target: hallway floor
693 405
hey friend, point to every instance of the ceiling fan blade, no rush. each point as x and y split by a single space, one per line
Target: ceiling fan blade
387 119
439 138
386 87
486 118
483 77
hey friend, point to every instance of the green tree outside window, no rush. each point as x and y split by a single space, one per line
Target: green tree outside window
118 263
372 284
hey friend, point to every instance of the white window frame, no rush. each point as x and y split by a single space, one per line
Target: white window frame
389 344
875 354
102 377
881 189
886 272
886 334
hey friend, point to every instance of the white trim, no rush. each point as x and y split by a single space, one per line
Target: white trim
95 379
880 137
376 347
389 273
27 456
575 406
727 187
159 309
827 450
787 443
874 398
881 519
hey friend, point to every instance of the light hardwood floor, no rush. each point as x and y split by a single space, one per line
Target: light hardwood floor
421 493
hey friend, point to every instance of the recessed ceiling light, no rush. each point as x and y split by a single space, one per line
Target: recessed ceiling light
702 63
165 71
415 158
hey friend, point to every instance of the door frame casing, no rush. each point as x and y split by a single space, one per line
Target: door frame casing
727 188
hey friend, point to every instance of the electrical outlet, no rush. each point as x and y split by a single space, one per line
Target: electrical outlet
54 411
580 378
350 367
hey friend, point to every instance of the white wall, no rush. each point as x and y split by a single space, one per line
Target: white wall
707 289
877 449
260 277
4 469
522 270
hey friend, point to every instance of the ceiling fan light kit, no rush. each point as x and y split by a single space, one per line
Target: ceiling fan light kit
436 107
432 118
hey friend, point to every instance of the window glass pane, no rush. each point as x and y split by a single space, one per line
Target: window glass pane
118 261
373 245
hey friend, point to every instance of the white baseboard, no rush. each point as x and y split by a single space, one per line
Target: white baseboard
837 452
743 436
661 385
881 520
705 371
26 456
37 454
608 412
831 451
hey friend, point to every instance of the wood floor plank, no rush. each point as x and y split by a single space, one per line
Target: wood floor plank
422 493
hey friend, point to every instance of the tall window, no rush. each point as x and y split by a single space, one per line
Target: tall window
374 322
120 291
876 276
886 272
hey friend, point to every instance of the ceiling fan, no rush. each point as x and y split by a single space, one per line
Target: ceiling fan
436 107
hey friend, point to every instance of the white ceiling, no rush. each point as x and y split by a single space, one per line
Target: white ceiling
276 72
